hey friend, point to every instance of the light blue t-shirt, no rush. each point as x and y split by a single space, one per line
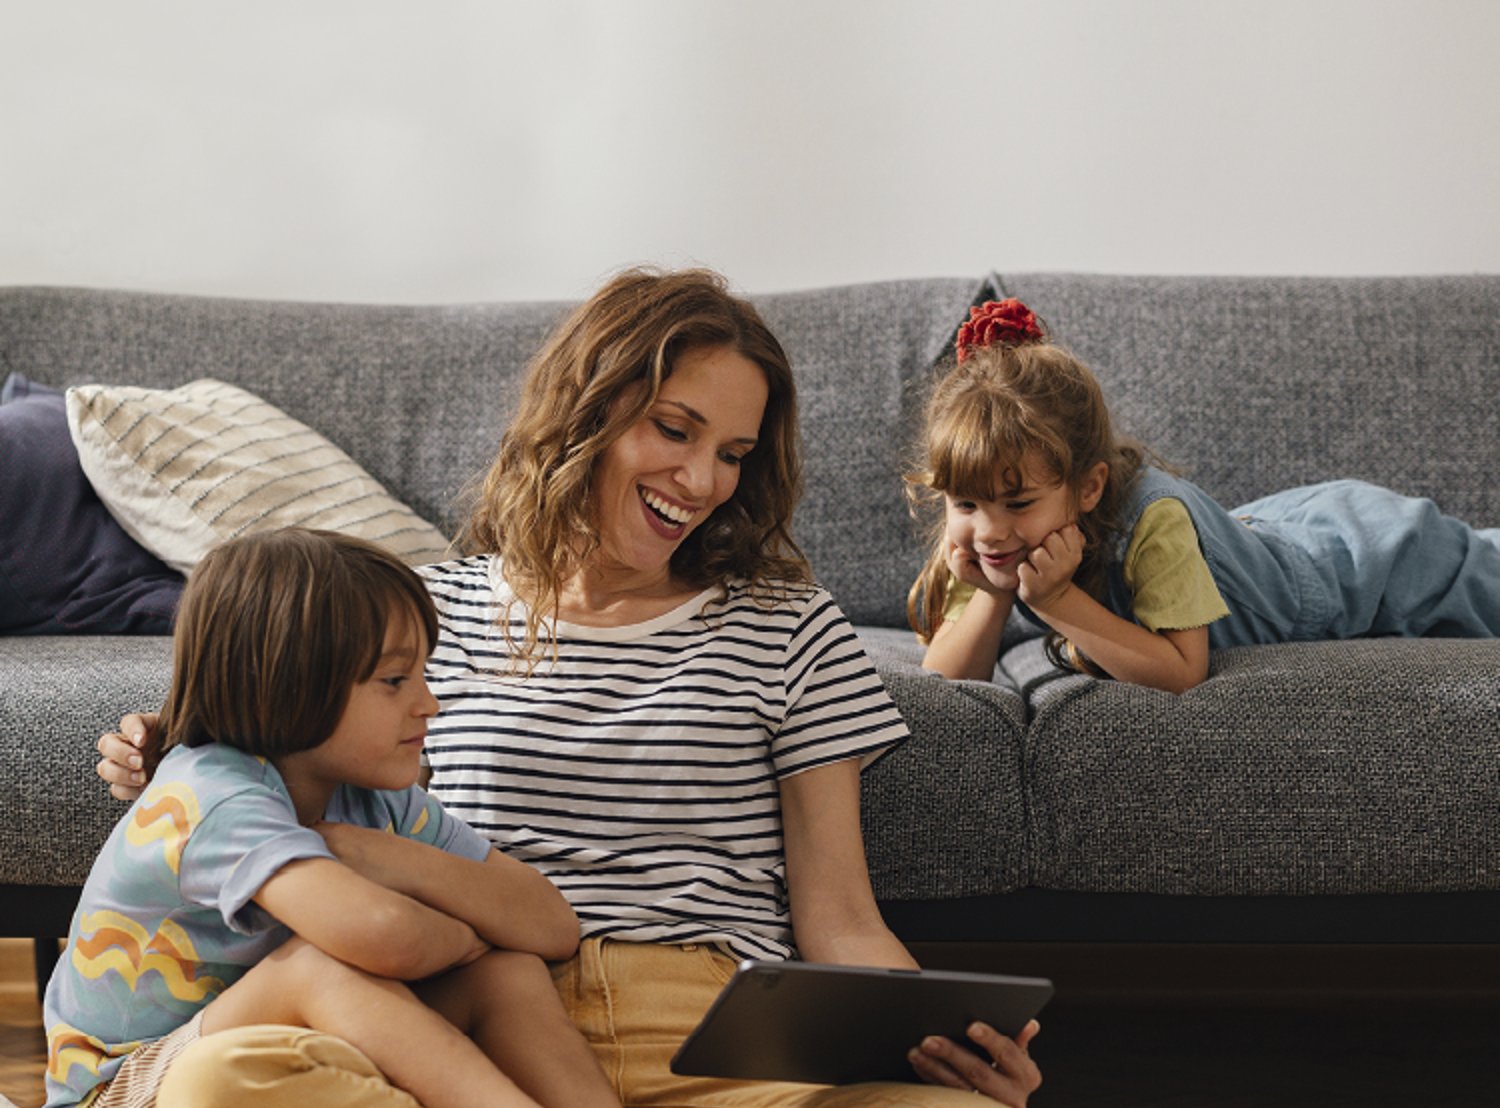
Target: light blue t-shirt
166 921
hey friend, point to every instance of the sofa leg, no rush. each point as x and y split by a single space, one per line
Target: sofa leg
46 953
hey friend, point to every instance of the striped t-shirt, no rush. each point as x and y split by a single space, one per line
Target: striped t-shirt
639 771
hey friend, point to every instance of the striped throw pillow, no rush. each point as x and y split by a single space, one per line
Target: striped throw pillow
184 469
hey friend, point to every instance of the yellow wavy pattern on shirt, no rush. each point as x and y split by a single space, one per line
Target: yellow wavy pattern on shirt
68 1047
111 943
167 813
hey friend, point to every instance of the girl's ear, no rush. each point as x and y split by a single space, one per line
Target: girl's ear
1091 489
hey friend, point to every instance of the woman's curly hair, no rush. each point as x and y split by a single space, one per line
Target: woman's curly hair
598 373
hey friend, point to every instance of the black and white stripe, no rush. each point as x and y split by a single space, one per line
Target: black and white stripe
640 770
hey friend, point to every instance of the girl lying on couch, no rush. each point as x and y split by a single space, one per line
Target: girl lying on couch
1135 571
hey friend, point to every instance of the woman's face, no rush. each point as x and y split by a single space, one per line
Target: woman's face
666 474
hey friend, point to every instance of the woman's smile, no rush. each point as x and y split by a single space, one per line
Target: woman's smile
667 517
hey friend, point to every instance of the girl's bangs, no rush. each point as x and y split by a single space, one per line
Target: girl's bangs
975 456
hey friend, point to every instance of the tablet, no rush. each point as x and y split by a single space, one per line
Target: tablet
838 1025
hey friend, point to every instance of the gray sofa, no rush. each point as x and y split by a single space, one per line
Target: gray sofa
1316 792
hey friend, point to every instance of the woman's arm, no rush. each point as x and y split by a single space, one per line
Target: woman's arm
834 915
508 903
359 921
835 919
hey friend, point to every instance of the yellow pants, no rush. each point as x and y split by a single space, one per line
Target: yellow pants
634 1003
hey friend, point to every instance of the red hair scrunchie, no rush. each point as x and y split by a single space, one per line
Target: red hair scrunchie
1004 321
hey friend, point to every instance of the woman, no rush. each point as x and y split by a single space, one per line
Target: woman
645 696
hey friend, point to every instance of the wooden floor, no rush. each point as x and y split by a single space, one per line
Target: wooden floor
23 1048
1163 1027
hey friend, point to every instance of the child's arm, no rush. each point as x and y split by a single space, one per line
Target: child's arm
1174 661
508 903
967 647
364 924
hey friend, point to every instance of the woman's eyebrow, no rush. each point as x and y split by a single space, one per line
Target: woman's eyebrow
697 417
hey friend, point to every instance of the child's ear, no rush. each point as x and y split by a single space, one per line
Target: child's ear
1091 491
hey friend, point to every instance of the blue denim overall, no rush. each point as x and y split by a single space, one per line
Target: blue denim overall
1330 561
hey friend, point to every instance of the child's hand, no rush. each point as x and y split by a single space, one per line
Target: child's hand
1048 570
966 566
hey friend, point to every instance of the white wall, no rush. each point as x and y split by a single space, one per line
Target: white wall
402 150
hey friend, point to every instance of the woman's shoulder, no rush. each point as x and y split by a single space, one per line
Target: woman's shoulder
473 567
786 606
463 582
775 595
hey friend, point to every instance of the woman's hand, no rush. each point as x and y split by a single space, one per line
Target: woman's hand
1010 1077
120 760
1047 572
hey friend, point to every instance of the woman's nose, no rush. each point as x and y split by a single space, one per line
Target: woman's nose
696 474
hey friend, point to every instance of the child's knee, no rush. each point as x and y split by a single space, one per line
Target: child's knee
270 1066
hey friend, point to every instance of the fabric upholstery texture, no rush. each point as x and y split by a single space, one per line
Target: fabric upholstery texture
863 356
66 566
1255 384
968 745
185 469
1343 767
61 693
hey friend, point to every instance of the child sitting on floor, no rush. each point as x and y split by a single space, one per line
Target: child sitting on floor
283 867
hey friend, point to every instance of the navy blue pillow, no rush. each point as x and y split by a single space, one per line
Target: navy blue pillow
66 566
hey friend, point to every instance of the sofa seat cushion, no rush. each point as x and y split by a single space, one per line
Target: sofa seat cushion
57 811
943 812
1362 766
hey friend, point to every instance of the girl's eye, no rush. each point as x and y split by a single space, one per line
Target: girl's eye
732 458
1019 505
676 434
963 505
394 682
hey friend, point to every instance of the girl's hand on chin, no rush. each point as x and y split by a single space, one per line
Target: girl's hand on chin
968 569
1048 571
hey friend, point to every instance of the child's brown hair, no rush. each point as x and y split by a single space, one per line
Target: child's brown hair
273 632
1001 407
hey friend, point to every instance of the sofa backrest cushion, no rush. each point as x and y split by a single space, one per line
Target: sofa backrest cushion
1250 384
419 396
416 395
864 356
1254 384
